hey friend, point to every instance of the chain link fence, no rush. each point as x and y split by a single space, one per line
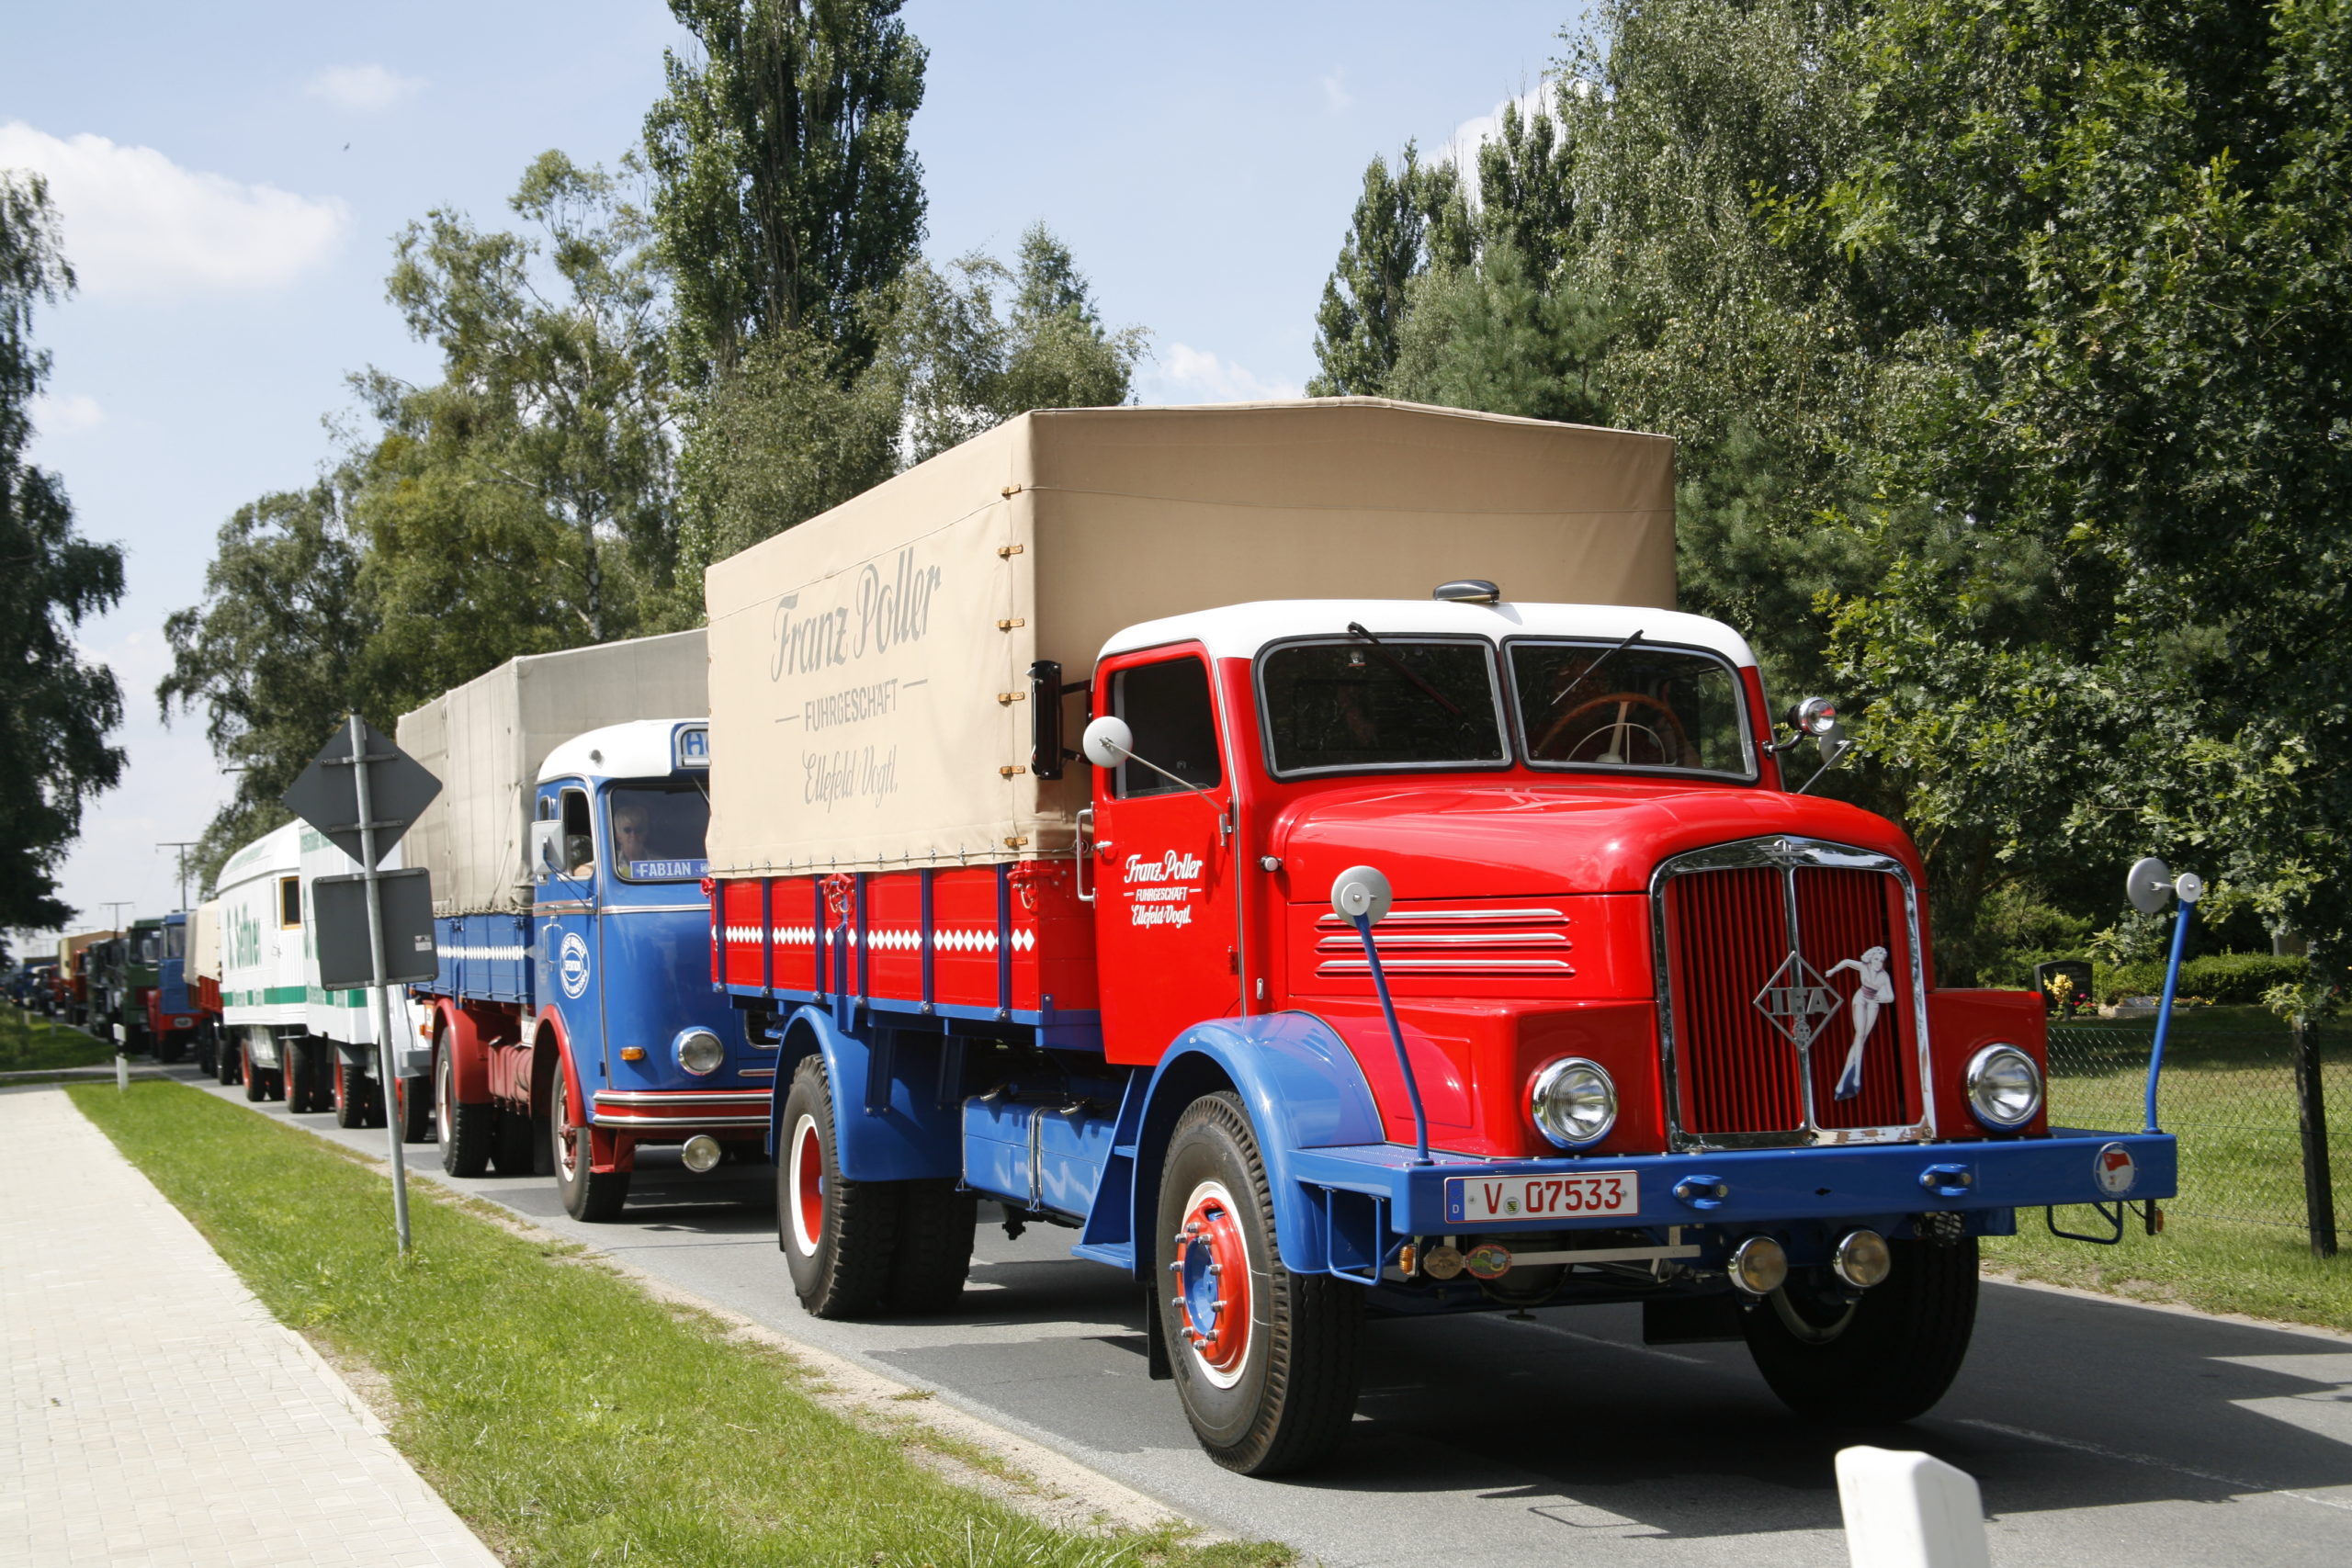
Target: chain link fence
2228 1092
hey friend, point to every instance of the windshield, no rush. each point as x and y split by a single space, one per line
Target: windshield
150 946
1641 707
658 831
175 942
1395 703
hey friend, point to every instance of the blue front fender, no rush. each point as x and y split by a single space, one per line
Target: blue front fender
1301 1086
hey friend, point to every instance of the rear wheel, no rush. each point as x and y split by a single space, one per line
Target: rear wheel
414 1098
589 1194
256 1086
839 1237
1886 1358
463 1130
299 1061
1266 1361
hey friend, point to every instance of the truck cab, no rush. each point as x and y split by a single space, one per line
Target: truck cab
594 1028
173 1017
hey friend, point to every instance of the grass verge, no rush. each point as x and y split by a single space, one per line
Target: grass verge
568 1417
2210 1264
32 1045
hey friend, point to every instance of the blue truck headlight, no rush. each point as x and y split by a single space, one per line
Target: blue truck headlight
2004 1087
1573 1102
699 1051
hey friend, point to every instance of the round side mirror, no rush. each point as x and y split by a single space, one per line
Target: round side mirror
1360 890
2148 884
1108 742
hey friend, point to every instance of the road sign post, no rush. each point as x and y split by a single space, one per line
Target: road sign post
345 808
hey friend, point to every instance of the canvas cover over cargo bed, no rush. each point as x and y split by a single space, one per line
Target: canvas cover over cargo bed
485 741
869 668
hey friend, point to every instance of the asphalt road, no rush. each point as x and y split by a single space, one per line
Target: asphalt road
2101 1434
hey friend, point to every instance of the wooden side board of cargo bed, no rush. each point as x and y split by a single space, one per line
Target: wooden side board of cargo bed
869 668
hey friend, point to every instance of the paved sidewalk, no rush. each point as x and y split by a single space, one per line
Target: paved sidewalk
157 1413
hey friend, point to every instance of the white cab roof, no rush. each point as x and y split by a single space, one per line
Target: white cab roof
1238 631
638 750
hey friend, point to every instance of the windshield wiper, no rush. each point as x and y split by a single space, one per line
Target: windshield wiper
1587 673
1356 628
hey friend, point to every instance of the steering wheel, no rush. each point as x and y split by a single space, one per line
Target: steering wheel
1619 730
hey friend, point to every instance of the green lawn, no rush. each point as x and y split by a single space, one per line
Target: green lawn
2235 1239
29 1043
568 1417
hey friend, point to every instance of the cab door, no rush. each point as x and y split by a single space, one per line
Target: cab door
1164 917
566 982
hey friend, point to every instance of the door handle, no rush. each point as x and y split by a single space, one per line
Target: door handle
1085 846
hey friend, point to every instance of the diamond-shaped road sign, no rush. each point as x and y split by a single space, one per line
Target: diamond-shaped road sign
327 794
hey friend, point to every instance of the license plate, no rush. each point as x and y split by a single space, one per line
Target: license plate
1473 1200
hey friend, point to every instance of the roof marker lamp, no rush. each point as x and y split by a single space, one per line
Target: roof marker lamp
1573 1103
2004 1088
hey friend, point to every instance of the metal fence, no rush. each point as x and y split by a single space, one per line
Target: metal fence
2230 1092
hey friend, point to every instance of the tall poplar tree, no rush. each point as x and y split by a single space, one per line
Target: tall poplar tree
56 707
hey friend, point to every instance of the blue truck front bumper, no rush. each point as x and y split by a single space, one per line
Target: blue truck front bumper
1758 1186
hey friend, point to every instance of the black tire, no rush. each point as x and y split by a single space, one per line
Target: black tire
935 1251
349 1094
838 1238
413 1097
464 1130
298 1062
170 1048
592 1196
512 1149
1282 1399
255 1080
1896 1353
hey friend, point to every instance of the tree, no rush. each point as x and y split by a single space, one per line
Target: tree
787 192
1403 223
525 502
274 655
56 707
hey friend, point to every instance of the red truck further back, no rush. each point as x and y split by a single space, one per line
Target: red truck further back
1301 849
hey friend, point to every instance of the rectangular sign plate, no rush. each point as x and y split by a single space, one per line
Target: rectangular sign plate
1475 1199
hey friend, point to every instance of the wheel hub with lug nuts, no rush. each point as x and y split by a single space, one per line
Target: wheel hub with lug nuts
1212 1271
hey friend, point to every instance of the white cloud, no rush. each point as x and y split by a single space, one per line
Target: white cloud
1336 97
363 89
1195 375
67 415
138 225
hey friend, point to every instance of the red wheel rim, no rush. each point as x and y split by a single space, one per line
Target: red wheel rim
1211 1272
808 1185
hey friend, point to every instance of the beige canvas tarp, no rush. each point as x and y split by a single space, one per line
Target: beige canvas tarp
204 940
485 740
869 667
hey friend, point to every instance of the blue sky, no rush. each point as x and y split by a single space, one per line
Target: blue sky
231 177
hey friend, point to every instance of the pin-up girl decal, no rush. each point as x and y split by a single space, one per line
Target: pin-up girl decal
1874 992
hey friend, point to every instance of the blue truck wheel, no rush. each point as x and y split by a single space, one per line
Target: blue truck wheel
1886 1358
463 1130
1266 1361
589 1194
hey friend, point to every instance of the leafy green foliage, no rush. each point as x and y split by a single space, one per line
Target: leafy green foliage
273 656
56 707
787 192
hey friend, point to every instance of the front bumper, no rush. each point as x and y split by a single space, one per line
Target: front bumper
671 1115
1765 1186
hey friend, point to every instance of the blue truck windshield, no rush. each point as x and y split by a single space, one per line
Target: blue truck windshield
658 831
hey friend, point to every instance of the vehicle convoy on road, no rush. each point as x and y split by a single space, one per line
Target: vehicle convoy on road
573 1021
283 1035
73 971
1401 953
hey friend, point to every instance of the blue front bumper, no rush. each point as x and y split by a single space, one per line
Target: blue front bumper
1764 1186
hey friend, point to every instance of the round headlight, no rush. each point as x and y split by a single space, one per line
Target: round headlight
2004 1087
1573 1102
700 1051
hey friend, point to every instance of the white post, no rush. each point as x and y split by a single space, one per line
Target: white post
1909 1510
388 1080
121 1072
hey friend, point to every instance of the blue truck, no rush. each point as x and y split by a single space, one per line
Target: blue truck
573 1021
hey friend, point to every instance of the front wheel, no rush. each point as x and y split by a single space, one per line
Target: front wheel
589 1194
839 1237
1266 1361
1886 1358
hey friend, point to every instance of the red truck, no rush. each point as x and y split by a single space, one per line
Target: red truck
1444 923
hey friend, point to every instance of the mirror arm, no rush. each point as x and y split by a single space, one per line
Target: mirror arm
1845 749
